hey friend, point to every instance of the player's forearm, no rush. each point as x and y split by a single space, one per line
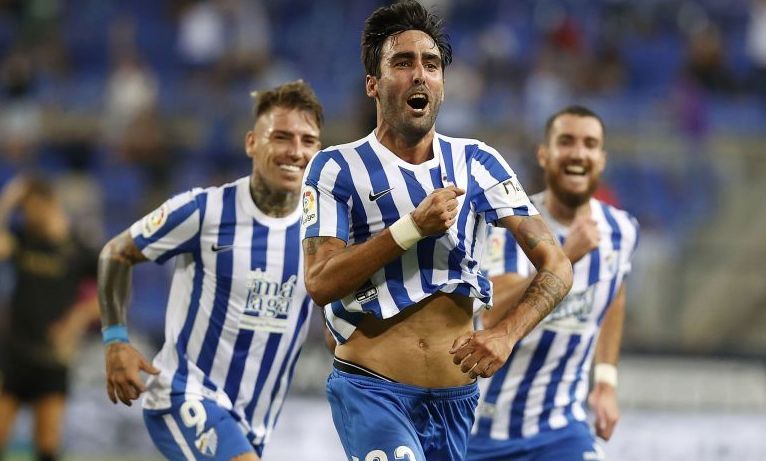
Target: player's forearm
610 337
507 290
115 268
545 291
338 273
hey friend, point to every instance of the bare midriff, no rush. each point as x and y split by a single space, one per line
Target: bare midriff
413 346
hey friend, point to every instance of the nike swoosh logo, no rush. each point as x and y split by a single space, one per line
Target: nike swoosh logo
380 194
216 249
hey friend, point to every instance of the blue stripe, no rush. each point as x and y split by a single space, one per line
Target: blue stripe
484 426
616 246
511 252
448 162
568 413
174 219
258 260
359 226
550 391
457 254
522 392
272 344
290 269
393 271
425 247
178 383
595 269
290 359
223 269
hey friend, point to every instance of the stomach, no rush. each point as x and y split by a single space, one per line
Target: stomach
413 346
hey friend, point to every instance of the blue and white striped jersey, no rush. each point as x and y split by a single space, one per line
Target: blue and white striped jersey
544 383
356 190
238 312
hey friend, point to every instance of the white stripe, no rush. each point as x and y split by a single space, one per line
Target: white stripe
175 431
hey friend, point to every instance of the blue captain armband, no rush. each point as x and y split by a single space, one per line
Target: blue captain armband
115 334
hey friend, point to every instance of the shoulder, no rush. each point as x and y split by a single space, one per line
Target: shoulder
627 223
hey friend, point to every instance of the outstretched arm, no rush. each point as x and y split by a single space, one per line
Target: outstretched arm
334 270
123 362
603 398
484 352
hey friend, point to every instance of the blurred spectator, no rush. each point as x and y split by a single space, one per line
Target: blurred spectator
705 64
48 313
756 45
202 33
20 113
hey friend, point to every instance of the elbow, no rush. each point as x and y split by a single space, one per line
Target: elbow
318 291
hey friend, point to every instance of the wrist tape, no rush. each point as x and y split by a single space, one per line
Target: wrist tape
605 373
405 232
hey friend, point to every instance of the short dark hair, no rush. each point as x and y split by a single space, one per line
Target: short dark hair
395 19
291 95
580 111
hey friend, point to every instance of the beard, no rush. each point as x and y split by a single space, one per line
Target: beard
569 198
412 128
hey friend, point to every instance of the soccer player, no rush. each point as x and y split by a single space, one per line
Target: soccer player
48 311
532 408
394 229
238 311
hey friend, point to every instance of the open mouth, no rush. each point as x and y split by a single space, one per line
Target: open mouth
418 101
575 170
290 168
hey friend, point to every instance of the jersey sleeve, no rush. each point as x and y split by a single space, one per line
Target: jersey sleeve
173 228
497 192
325 199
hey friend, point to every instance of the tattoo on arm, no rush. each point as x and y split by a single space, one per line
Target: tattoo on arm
533 232
311 245
115 265
544 293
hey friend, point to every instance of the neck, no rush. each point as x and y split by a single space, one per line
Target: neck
272 203
415 151
561 212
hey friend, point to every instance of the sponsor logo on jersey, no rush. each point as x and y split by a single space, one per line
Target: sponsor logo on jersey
207 443
268 303
514 192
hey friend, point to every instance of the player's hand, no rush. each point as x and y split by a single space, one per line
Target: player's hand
603 403
437 212
481 353
583 237
123 364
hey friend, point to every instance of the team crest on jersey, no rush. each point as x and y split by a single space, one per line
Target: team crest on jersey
207 443
310 209
268 303
495 248
154 220
574 311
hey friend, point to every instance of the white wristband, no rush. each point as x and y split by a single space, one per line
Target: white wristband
405 232
605 373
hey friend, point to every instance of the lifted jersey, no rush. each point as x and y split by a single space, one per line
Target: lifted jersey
543 384
356 190
237 313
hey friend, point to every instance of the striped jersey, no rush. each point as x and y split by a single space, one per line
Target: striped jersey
237 313
544 383
356 190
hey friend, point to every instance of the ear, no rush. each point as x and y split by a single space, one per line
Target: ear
250 143
542 155
371 86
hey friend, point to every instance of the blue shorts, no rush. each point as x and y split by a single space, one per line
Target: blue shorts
574 442
377 419
197 430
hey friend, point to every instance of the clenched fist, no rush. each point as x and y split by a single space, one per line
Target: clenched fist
437 212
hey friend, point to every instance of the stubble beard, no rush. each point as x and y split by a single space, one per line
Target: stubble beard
568 198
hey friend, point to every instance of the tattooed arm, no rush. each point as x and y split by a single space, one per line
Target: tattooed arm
123 361
484 352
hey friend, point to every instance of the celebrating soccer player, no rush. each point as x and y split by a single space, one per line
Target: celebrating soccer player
238 310
395 225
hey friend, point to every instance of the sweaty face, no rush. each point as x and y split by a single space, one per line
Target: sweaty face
281 145
573 158
410 88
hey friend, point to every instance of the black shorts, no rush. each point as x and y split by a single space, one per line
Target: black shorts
28 381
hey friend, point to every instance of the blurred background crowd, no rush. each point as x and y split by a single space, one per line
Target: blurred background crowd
122 103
